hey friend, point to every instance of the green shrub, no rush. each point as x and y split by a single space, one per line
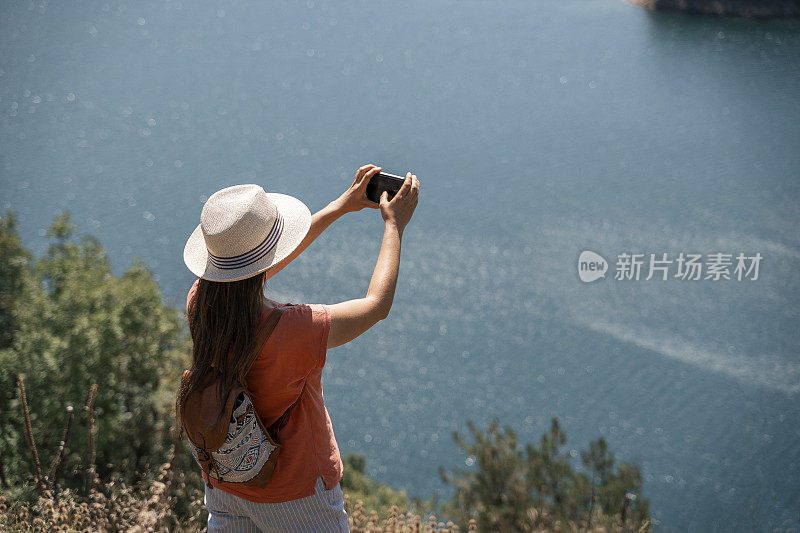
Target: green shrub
68 323
512 488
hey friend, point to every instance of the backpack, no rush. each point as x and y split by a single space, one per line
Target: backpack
236 445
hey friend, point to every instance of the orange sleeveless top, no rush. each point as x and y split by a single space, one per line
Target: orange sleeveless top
295 351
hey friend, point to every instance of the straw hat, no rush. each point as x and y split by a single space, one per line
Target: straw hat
244 231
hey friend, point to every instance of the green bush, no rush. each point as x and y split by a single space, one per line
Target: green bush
512 488
68 322
359 486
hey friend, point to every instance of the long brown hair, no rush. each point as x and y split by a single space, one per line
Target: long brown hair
223 322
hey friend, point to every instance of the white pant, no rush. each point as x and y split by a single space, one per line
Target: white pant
321 512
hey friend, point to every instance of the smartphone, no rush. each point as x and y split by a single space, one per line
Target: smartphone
383 181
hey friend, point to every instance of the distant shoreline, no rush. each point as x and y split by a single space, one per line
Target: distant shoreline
737 8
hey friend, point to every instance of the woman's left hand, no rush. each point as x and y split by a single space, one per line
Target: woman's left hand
355 197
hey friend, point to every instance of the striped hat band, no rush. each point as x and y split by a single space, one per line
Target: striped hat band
253 255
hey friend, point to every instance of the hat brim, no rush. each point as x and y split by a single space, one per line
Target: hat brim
296 223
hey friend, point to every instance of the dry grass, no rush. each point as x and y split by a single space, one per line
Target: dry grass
121 508
397 521
107 508
125 509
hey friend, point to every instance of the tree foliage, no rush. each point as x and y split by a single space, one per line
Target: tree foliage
516 488
68 322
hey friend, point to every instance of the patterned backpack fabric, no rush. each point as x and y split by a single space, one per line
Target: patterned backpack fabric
234 446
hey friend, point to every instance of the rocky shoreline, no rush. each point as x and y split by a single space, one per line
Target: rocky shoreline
736 8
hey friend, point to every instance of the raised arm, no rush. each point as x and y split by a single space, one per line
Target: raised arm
352 318
353 199
319 222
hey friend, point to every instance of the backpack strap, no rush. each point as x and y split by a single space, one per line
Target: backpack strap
269 325
284 418
262 336
266 330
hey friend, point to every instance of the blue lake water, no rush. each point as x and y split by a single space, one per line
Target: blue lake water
539 130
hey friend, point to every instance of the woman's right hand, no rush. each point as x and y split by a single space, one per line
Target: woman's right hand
398 211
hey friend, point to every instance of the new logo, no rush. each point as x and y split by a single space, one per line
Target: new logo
591 266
